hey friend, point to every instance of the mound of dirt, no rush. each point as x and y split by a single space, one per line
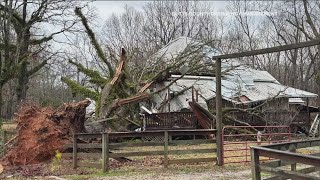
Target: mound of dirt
43 131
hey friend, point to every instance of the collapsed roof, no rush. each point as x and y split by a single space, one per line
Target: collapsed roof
240 84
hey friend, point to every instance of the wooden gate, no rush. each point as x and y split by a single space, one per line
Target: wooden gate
237 140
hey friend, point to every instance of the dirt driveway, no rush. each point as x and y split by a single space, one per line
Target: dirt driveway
234 172
184 176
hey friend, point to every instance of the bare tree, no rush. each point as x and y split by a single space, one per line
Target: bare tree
23 42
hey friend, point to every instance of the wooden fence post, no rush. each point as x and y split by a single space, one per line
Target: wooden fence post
255 170
294 165
214 135
5 139
165 162
3 134
105 152
74 152
319 130
219 113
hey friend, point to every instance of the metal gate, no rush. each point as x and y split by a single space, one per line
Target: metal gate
237 140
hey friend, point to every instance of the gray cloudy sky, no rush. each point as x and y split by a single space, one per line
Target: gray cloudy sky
106 8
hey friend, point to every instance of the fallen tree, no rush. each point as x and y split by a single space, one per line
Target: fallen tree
43 131
118 88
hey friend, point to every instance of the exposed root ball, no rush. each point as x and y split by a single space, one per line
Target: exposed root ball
43 131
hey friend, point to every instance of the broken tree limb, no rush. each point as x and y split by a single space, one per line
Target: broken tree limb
138 97
175 94
102 120
93 40
119 68
146 86
132 99
122 117
106 108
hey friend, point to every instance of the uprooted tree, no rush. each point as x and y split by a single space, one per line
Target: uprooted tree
43 131
120 88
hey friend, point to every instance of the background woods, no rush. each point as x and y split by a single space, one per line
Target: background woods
42 41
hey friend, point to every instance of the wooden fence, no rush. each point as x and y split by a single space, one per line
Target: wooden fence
108 144
284 154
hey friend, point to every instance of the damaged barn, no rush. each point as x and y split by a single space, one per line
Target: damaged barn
250 96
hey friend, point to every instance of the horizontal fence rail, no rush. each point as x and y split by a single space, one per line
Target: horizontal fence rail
108 144
284 154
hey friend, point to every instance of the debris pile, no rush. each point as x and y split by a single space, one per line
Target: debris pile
43 131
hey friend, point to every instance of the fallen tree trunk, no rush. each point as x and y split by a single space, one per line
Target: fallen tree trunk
42 131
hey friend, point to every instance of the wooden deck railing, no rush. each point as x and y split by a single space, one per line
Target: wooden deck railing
284 154
170 120
107 146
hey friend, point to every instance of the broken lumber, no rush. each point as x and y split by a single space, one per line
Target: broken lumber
204 117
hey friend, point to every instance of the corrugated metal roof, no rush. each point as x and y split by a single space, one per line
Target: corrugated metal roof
180 45
231 91
238 80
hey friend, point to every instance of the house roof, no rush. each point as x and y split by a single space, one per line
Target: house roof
238 81
183 46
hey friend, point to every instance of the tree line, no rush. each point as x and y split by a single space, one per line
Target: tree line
33 59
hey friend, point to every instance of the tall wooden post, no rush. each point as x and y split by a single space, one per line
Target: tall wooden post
255 171
308 111
319 130
4 141
169 98
197 95
166 144
105 152
74 152
293 165
192 94
219 112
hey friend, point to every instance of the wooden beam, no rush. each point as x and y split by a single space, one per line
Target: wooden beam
255 171
197 160
105 152
74 151
288 156
166 149
303 171
219 113
297 144
288 174
269 50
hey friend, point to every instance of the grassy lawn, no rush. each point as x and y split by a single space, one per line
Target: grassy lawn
147 172
153 165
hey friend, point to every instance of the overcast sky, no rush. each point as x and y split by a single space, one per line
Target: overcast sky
106 8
